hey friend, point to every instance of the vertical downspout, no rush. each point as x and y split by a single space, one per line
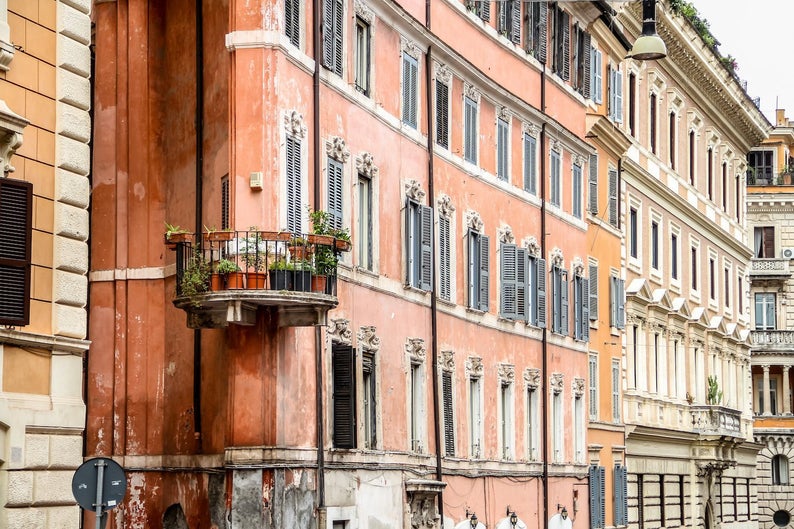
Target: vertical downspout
544 343
199 208
318 331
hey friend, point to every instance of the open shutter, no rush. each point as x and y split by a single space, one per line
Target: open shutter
592 478
426 242
485 259
410 246
564 303
444 258
585 305
338 39
521 283
515 22
508 308
449 417
585 61
328 34
618 96
542 33
335 193
442 114
577 308
16 206
621 303
593 293
620 495
592 189
566 45
540 281
293 185
343 362
485 10
613 197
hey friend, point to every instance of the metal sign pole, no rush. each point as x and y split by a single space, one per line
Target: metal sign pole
100 475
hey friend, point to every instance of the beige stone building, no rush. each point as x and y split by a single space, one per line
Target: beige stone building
45 129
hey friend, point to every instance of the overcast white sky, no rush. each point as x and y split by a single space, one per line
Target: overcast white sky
760 38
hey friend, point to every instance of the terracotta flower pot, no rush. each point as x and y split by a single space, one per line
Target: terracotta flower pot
256 280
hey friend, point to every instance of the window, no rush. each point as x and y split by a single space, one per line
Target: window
294 199
362 56
292 21
333 42
740 296
615 90
633 233
576 185
556 185
449 413
560 300
780 470
725 187
442 114
475 418
726 274
692 157
502 149
478 270
418 230
481 8
616 390
536 311
578 429
655 244
593 310
764 242
16 207
596 476
557 428
710 172
364 231
613 197
417 407
510 19
335 186
506 410
653 114
530 164
344 410
514 282
561 39
772 397
592 188
593 393
596 81
369 387
410 89
581 62
760 167
694 271
470 130
765 311
620 493
633 106
533 424
445 256
738 197
581 308
673 139
617 302
536 29
674 256
712 280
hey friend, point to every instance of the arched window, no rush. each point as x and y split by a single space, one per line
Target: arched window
780 470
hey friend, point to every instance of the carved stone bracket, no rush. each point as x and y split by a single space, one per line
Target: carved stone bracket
367 339
474 367
363 12
410 48
471 92
504 114
294 124
416 350
422 494
531 244
413 190
365 165
336 148
447 361
531 129
578 387
532 377
556 258
443 73
506 373
577 266
579 160
506 235
11 126
445 207
474 221
557 382
556 145
340 332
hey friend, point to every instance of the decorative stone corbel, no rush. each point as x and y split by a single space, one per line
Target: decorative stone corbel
367 339
532 377
556 258
578 387
416 350
336 148
506 235
11 126
445 207
556 383
474 367
506 373
413 190
365 165
294 124
340 332
474 221
532 245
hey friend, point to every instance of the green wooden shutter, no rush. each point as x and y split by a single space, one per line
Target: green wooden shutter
485 264
344 405
16 221
515 21
442 114
593 293
449 416
521 284
540 281
444 258
293 149
328 34
335 193
508 272
592 189
426 248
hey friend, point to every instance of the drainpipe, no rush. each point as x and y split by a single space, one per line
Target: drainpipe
199 208
544 343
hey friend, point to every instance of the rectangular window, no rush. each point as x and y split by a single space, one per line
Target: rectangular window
727 276
724 187
673 138
557 428
692 152
510 20
616 390
581 308
530 164
445 256
536 292
576 187
592 188
561 38
442 114
470 130
582 62
760 167
362 56
740 296
475 419
764 242
556 185
333 44
653 114
710 172
613 197
593 310
738 198
533 424
502 149
370 400
578 429
343 394
16 225
655 245
674 256
292 21
482 8
506 409
334 198
694 271
593 393
514 282
633 106
596 480
633 233
620 495
478 270
560 300
410 88
596 75
617 302
418 232
417 407
765 311
712 280
449 413
365 236
294 199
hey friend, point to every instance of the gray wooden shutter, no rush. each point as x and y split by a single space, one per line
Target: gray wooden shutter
16 224
501 149
343 365
620 495
543 30
618 96
566 46
584 321
338 36
621 303
521 283
410 76
485 10
293 149
426 248
410 246
577 307
292 21
508 294
328 34
225 202
515 15
585 61
592 190
596 497
335 193
442 114
613 196
485 264
470 139
564 307
449 416
444 258
593 293
540 281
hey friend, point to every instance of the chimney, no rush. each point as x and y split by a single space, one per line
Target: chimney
780 117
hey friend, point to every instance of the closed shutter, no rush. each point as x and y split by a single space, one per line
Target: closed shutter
618 96
540 281
529 164
564 307
585 305
566 46
515 22
343 365
596 477
592 193
508 308
442 114
613 196
485 10
293 185
410 77
335 193
597 86
16 201
292 21
593 293
501 147
328 34
521 283
470 140
444 258
613 301
585 62
449 417
338 39
225 202
542 33
621 303
485 259
426 249
621 495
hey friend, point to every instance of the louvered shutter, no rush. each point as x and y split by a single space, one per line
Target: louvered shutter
592 193
508 309
503 16
328 34
521 283
585 61
540 281
585 307
338 36
343 365
577 308
621 495
444 258
410 75
225 202
335 193
593 293
16 207
470 140
515 15
485 259
613 197
613 301
621 303
598 84
410 245
566 46
564 307
426 243
485 10
449 416
543 29
292 21
293 185
596 497
501 148
442 114
618 96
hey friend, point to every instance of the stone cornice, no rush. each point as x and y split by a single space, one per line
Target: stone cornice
607 134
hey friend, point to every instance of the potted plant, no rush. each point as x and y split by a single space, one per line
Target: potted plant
299 248
785 174
325 261
195 278
175 233
281 274
713 393
212 234
226 275
302 275
255 256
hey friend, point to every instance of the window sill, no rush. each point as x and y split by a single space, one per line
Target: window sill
411 288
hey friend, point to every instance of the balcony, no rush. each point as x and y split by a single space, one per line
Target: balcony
225 277
716 421
772 340
770 269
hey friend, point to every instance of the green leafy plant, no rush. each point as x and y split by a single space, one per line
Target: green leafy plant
226 266
281 264
171 229
714 393
254 256
195 277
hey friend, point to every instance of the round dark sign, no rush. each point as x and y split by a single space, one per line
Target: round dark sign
85 483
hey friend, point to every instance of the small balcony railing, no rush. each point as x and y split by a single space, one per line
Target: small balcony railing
772 339
716 420
223 276
770 268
